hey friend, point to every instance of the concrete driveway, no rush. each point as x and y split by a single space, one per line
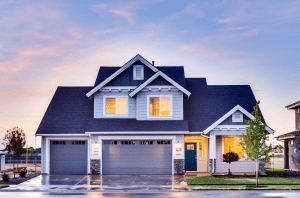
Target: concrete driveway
99 183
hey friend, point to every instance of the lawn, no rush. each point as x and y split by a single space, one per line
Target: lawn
4 186
268 183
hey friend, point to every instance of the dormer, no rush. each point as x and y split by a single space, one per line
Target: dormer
139 90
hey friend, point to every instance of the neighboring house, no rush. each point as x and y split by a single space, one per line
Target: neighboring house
288 138
145 119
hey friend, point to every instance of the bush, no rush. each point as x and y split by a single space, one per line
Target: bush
230 157
282 174
5 177
22 173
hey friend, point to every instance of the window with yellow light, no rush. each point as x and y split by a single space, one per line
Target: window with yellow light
232 144
160 106
115 106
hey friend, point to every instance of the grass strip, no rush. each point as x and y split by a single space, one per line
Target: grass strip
244 187
4 186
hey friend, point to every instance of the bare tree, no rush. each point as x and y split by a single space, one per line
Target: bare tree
14 142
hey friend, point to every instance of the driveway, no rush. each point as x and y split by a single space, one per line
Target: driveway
98 183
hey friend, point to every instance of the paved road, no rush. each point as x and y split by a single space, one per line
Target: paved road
219 194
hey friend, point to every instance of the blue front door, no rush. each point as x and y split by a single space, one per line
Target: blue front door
190 157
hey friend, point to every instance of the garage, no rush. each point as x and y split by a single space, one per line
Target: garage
137 157
68 157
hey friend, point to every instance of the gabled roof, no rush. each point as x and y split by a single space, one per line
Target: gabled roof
209 103
119 71
293 106
157 74
290 135
229 113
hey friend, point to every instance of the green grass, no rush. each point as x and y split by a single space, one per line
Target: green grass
275 170
245 187
209 180
4 186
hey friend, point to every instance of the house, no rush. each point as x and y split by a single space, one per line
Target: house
289 138
145 119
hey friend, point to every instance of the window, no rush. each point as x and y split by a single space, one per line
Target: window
237 117
138 72
232 144
190 147
163 142
160 106
115 105
128 142
146 142
110 142
78 142
58 142
200 150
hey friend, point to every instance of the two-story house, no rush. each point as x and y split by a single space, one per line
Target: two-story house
288 138
145 119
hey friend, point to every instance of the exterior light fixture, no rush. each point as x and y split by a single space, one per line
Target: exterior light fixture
178 144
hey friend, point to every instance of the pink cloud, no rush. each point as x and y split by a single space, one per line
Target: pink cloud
107 31
125 14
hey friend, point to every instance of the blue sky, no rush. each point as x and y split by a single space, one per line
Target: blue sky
45 44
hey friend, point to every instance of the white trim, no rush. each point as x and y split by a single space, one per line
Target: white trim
224 117
157 74
134 72
292 106
119 71
48 139
131 88
159 116
172 138
115 115
240 119
230 128
138 133
61 134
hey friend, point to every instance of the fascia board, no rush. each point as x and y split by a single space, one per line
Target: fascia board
119 71
167 78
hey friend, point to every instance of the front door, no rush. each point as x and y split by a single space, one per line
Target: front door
190 157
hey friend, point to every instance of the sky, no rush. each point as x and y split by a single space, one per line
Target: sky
45 44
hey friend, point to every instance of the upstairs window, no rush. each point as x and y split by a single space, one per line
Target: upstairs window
160 106
138 72
115 105
237 117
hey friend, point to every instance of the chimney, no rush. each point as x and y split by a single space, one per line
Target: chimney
153 63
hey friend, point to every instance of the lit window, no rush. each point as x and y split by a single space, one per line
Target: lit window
232 144
160 106
115 106
138 72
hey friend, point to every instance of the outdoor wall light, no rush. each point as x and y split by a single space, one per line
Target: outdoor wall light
178 144
95 145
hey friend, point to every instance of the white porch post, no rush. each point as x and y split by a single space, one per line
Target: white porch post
212 151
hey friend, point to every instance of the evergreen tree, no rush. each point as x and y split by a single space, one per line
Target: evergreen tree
254 142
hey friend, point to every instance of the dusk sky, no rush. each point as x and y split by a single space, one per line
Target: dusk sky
45 44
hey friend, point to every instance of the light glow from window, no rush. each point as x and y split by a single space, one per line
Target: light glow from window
232 144
115 106
160 106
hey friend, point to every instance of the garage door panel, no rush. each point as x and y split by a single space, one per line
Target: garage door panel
68 158
136 158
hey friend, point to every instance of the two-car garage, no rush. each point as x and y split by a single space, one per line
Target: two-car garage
119 157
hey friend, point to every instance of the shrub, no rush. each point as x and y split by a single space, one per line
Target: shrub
230 157
22 173
5 177
282 174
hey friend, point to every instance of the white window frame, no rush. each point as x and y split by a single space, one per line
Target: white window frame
234 119
159 116
134 72
223 144
115 115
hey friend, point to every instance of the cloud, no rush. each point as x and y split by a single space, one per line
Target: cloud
107 31
129 16
100 6
228 20
202 51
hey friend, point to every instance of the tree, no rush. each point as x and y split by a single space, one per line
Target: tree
254 142
14 141
230 157
296 158
279 147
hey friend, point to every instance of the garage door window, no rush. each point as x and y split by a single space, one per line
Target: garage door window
146 142
128 142
110 142
163 142
78 142
59 142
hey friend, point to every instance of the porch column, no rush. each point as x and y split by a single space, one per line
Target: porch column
212 153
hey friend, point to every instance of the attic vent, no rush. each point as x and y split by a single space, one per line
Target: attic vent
237 117
138 72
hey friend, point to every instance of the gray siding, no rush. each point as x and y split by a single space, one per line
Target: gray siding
228 121
141 104
98 104
291 153
235 167
43 157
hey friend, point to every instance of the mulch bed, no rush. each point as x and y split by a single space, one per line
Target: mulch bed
18 179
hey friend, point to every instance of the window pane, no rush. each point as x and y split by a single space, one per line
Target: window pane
238 148
154 106
229 145
110 105
165 106
121 106
200 150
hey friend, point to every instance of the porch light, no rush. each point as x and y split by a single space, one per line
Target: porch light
95 145
178 144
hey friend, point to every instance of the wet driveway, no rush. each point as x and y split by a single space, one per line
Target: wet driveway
107 182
